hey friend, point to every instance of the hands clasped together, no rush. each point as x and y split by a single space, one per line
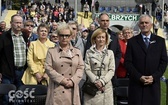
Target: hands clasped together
67 83
99 85
40 77
147 80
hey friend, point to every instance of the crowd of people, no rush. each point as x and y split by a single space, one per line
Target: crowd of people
65 55
46 12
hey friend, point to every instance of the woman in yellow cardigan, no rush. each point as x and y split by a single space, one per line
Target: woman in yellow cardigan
35 72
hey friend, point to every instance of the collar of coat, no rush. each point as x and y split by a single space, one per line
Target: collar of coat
24 34
93 49
70 47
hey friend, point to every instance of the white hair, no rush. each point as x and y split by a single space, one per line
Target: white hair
144 15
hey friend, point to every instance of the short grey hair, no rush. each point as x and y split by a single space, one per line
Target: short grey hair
145 15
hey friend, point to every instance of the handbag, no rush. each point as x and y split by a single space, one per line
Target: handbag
89 87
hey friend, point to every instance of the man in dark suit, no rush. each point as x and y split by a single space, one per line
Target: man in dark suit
13 48
145 61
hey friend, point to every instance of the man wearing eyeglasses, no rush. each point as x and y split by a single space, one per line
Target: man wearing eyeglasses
77 41
29 25
54 37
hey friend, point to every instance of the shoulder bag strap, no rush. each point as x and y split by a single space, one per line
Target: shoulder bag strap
99 74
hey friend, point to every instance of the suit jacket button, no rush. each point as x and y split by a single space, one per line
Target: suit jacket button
69 74
62 74
61 65
70 65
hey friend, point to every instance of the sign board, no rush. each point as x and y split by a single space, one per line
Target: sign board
122 17
129 20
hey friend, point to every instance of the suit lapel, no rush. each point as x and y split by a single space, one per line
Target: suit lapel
141 43
152 41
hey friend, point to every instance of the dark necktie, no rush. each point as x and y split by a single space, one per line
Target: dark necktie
146 41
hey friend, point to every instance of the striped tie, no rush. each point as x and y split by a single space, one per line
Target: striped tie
146 41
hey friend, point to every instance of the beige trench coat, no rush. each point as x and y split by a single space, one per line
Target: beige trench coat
59 65
92 65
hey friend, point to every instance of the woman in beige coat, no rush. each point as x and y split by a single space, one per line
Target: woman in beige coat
37 52
64 66
98 56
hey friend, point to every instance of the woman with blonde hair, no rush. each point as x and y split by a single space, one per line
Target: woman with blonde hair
64 66
99 68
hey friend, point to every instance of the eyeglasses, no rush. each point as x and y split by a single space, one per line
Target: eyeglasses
54 36
64 35
28 25
74 28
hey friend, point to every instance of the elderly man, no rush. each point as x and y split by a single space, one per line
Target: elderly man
13 47
145 61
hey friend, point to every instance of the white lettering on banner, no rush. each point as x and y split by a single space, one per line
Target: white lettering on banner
135 18
113 17
21 96
122 17
117 17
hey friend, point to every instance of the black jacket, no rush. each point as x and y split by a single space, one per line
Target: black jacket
7 53
142 61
